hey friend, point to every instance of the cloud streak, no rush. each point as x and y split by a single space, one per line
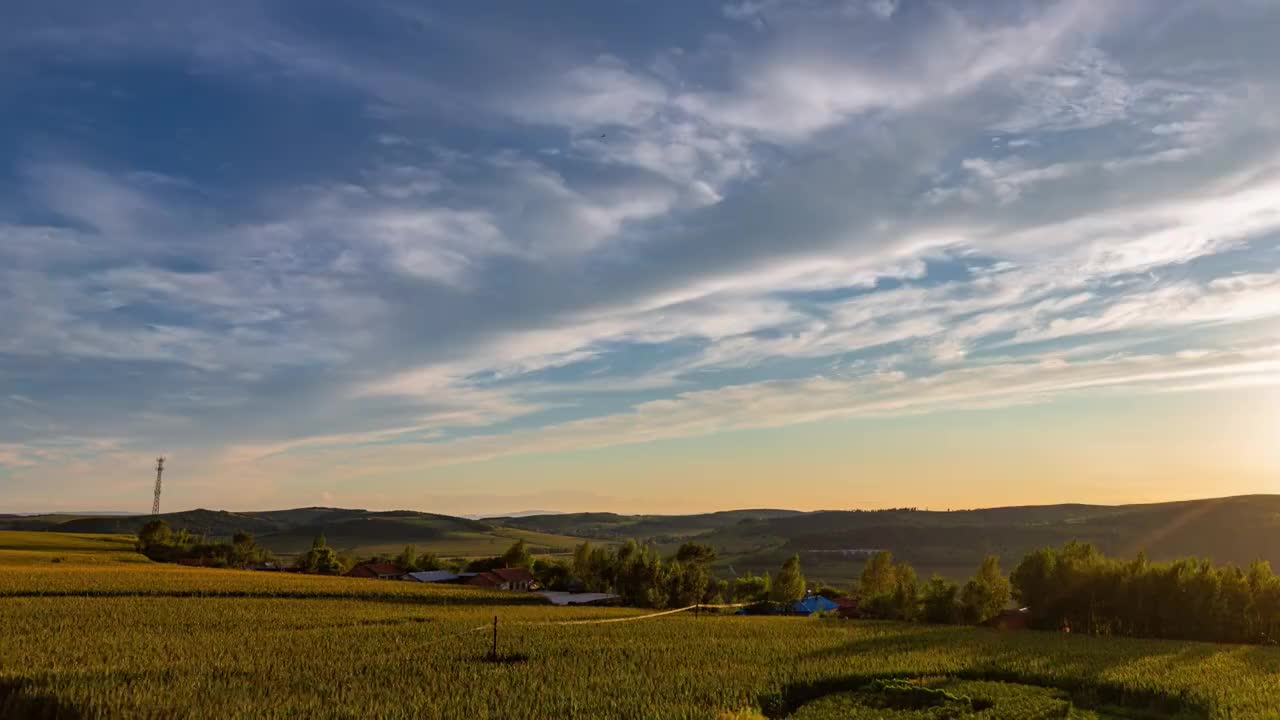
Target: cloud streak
444 238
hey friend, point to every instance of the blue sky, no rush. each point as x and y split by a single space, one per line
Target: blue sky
597 255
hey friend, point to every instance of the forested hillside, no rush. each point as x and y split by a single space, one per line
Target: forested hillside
1236 530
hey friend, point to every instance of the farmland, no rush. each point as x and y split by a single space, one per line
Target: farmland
126 638
288 532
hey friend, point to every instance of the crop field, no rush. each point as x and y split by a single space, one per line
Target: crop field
146 640
42 548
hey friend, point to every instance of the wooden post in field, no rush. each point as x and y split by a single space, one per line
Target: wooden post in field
493 654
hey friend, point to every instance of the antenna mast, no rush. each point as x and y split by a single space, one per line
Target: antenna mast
155 505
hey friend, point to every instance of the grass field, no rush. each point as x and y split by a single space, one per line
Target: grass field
126 639
42 548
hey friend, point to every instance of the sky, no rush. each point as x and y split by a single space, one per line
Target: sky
637 256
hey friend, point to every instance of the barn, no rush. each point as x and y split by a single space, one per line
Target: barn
376 570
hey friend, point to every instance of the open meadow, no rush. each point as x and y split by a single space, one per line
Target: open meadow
94 631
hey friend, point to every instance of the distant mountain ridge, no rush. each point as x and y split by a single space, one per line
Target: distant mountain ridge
1233 529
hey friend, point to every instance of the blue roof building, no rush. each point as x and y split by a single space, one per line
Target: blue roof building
810 605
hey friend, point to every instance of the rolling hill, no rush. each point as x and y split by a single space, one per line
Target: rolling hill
655 528
832 543
290 531
1235 529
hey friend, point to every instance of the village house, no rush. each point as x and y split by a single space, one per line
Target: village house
505 579
376 570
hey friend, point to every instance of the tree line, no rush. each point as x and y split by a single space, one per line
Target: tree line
641 577
1187 599
1075 586
1079 589
159 542
891 590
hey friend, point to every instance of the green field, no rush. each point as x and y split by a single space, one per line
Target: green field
116 638
360 533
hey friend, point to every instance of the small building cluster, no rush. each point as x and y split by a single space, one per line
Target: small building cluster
497 579
511 579
518 579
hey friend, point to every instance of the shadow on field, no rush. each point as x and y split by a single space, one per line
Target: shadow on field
1069 666
17 702
1118 702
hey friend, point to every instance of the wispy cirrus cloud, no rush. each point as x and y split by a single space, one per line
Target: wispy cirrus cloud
447 237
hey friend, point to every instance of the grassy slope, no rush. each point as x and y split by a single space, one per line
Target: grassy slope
44 548
418 655
360 532
1237 530
641 527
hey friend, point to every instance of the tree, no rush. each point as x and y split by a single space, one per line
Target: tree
430 561
940 604
789 586
877 576
581 567
829 592
717 591
751 588
553 574
692 552
321 559
906 594
154 534
641 578
407 560
691 583
517 555
244 550
1034 584
987 593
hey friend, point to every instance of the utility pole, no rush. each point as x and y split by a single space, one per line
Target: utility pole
155 504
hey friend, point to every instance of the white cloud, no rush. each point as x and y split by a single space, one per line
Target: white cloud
774 403
820 185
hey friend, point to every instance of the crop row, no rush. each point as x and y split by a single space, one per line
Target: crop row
237 657
115 580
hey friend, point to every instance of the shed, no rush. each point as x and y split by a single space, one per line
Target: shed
568 598
432 576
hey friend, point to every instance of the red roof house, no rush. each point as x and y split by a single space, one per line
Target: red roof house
376 570
505 579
